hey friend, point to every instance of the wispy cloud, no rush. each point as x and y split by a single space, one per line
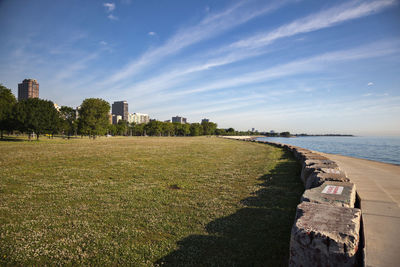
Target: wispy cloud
152 33
71 69
209 27
253 46
315 63
112 17
370 84
109 6
356 112
323 19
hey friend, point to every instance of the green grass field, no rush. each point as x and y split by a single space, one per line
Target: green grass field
146 201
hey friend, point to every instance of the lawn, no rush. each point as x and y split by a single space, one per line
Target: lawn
146 201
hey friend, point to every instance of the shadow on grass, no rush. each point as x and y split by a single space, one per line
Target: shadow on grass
11 139
257 235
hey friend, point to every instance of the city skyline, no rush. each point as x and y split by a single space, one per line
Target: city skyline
301 66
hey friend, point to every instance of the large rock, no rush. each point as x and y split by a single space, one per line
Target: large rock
318 177
324 235
315 159
299 152
316 165
332 193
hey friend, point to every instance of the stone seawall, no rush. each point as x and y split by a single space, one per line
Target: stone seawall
328 223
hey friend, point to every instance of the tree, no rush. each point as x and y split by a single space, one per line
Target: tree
7 103
220 132
154 128
112 129
94 117
230 131
209 127
196 129
68 120
122 127
168 129
37 116
181 129
285 134
138 129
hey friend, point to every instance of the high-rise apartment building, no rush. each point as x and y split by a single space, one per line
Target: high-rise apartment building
205 120
116 118
141 118
120 108
179 119
29 88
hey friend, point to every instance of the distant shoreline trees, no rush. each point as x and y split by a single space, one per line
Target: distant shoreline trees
36 116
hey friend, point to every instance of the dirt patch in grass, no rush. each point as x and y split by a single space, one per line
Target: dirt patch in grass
174 186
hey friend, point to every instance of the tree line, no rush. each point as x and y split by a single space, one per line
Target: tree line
40 117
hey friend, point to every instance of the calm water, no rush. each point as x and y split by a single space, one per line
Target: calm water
384 149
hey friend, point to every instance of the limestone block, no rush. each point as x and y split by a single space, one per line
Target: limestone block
310 155
318 177
324 235
291 148
316 166
315 159
299 152
332 193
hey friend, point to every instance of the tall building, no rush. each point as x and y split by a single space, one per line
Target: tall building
141 118
205 120
77 111
116 118
29 88
179 119
131 118
121 108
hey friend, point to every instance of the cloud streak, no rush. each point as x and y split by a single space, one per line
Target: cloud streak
255 45
311 64
321 20
109 6
211 26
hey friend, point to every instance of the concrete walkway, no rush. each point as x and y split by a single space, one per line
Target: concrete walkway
378 185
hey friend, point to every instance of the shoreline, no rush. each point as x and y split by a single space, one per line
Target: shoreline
359 156
351 157
378 192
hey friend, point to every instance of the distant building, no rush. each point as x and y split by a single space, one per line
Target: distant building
29 88
141 118
179 119
120 108
116 118
77 111
205 120
131 118
252 129
57 107
167 121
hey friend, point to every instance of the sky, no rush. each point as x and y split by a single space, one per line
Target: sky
302 66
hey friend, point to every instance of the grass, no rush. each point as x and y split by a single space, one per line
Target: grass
146 201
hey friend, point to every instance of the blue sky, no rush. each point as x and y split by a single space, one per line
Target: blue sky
297 65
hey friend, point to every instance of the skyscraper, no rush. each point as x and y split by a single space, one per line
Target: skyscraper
179 119
120 108
29 88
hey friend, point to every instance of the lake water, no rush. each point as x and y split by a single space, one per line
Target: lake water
384 149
